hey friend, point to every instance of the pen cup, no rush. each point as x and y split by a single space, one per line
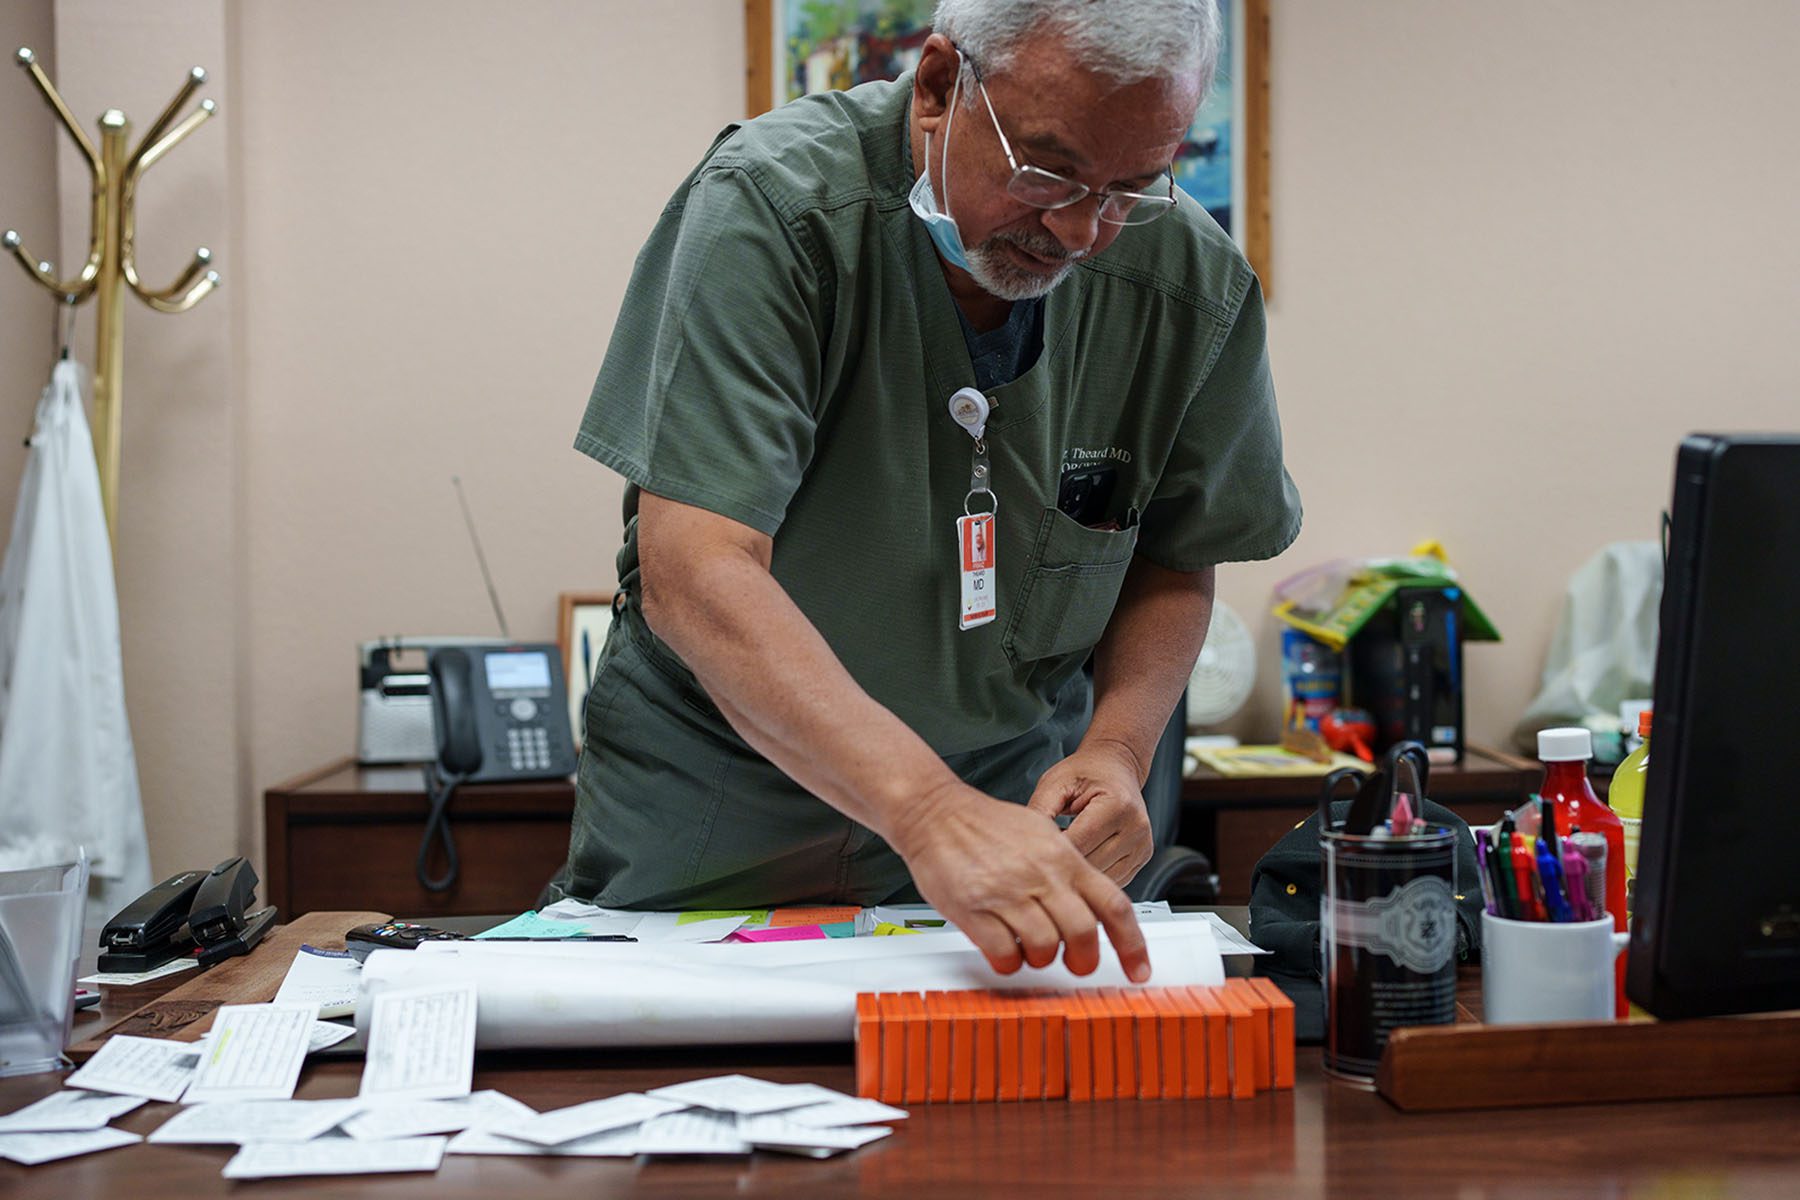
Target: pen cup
1535 971
1388 936
40 942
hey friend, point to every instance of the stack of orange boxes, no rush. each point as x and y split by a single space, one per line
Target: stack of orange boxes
1092 1044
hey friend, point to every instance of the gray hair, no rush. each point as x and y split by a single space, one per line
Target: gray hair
1125 41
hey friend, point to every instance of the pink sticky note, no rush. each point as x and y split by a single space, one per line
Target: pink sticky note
786 933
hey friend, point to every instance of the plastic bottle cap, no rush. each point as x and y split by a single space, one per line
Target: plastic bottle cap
1565 745
1644 723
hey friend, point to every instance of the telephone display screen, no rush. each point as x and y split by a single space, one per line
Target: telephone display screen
528 672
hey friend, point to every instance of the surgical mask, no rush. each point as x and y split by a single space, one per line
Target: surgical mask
940 225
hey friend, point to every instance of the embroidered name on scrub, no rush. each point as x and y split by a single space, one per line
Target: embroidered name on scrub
975 530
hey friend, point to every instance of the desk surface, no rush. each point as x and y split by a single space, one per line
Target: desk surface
1323 1138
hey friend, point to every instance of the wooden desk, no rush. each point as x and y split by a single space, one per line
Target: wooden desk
346 837
1234 820
1320 1139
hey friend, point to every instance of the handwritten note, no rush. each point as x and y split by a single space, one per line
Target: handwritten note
775 1131
336 1156
690 1133
326 978
742 1094
253 1121
30 1149
585 1120
416 1118
421 1044
783 933
254 1053
137 1066
67 1111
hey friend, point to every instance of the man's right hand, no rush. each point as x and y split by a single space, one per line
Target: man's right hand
1009 878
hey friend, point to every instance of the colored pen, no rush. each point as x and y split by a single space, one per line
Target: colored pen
1593 848
1547 826
1531 908
580 937
1487 878
1575 871
1550 875
1400 820
1501 858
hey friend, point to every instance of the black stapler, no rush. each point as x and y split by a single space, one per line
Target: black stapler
218 922
149 931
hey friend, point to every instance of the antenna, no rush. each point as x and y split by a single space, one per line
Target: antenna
480 557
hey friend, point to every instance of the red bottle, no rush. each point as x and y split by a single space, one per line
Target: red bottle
1565 754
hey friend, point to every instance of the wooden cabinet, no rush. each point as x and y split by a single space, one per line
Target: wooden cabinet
347 837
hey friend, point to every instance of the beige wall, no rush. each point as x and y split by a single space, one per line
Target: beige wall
28 133
1519 249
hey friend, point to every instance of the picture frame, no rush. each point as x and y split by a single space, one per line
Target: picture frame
582 622
771 34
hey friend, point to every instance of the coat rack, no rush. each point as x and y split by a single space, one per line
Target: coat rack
112 261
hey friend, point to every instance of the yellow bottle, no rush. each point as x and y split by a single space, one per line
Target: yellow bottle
1626 798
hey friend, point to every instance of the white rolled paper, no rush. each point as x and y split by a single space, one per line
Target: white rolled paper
595 994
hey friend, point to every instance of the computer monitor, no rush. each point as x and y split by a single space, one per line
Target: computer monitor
1716 922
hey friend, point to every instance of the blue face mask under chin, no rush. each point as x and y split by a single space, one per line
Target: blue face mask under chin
940 225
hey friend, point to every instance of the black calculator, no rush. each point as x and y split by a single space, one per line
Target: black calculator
395 935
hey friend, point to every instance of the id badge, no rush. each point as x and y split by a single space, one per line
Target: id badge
975 546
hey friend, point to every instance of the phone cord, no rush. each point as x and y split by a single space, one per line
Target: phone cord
439 787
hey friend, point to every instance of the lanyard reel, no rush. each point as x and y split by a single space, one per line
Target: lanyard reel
975 530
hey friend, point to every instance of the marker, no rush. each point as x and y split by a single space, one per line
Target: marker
1531 906
1575 871
1550 875
1501 858
1487 877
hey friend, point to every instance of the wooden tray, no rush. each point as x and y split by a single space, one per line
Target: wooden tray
185 1012
1443 1067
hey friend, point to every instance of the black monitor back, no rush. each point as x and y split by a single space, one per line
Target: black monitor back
1716 927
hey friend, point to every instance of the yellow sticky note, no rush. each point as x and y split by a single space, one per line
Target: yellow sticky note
889 929
755 916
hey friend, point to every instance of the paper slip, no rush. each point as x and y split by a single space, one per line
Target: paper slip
136 1066
775 1132
530 925
619 1143
132 978
416 1118
834 1114
585 1120
30 1149
66 1111
1229 939
742 1094
254 1053
336 1156
326 978
674 928
421 1044
691 1133
592 918
254 1121
326 1034
783 933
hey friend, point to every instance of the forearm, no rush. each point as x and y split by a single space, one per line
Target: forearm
1143 662
778 683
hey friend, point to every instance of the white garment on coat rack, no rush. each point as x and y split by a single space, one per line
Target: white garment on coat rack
68 776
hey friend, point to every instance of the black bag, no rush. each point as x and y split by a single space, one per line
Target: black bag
1289 881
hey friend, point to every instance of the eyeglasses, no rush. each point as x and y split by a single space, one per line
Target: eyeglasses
1048 190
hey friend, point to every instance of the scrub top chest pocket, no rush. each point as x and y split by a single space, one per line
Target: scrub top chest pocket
1069 589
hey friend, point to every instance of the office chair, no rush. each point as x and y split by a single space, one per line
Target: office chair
1172 869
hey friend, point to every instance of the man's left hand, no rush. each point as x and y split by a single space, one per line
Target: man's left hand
1099 786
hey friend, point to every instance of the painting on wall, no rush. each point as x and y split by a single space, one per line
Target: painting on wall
798 47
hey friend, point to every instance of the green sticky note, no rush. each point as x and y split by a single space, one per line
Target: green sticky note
530 925
756 916
840 929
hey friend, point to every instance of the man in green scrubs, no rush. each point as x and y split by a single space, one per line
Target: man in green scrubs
789 708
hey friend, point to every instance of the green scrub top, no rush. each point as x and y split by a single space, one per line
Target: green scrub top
784 356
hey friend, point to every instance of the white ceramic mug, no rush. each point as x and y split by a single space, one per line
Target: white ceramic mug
1535 971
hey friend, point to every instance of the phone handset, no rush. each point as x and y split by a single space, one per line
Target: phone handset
453 712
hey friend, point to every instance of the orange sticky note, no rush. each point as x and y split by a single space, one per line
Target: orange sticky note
1193 1042
1009 1020
962 1048
1281 1030
1056 1025
1241 1030
987 1046
918 1042
868 1046
1079 1023
1169 1028
1261 1028
1033 1051
1124 1032
1100 1017
893 1048
1145 1041
938 1007
1218 1040
782 917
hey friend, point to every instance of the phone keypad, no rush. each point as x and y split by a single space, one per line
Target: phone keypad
528 748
